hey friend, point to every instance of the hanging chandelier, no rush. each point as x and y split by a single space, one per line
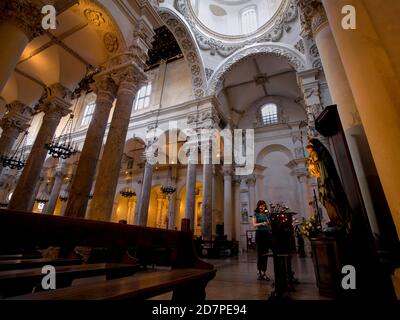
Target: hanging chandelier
43 198
168 189
63 146
16 159
63 196
128 192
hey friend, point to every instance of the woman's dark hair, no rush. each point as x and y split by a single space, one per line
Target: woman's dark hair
259 203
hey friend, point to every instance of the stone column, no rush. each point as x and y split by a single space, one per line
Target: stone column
130 78
20 22
138 197
159 212
251 182
228 213
342 96
55 106
190 192
376 90
13 124
206 228
143 206
55 192
238 218
308 82
82 184
126 70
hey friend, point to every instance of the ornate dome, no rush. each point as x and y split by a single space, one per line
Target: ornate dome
234 17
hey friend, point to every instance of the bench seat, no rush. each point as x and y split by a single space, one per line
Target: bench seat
188 285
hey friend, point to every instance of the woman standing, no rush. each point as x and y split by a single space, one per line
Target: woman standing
263 238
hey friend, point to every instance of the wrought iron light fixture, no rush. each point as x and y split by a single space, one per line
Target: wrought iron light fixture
168 189
63 146
128 192
16 159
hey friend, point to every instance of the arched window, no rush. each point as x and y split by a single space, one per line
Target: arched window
87 116
143 97
269 114
249 20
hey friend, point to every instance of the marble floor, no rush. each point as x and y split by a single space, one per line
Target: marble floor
236 279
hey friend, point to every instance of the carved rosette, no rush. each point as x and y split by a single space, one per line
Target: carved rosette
23 14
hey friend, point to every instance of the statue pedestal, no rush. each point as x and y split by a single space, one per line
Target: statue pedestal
327 258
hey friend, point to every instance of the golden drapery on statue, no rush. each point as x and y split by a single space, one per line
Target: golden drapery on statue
330 189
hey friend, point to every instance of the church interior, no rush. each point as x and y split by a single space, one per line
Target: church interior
103 103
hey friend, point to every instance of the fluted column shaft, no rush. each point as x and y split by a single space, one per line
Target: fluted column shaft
144 201
110 166
55 106
86 170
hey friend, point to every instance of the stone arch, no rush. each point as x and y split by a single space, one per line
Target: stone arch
294 58
274 148
189 49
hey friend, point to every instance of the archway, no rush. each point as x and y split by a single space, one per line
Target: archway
189 49
293 57
278 184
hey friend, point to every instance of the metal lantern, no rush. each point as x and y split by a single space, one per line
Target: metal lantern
16 159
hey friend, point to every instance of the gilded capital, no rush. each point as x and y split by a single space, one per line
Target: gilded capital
23 14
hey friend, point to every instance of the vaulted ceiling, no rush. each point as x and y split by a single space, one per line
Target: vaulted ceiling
258 77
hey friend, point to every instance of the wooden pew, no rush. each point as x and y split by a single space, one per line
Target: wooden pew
188 276
186 283
15 282
35 263
19 256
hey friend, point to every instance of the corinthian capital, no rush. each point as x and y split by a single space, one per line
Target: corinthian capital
312 15
17 116
23 14
105 87
56 101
